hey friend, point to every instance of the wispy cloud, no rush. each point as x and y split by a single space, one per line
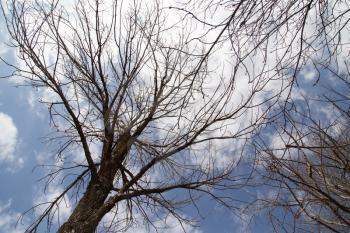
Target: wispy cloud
9 219
9 141
169 224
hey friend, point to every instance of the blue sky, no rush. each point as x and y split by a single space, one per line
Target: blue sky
24 126
19 181
20 186
17 178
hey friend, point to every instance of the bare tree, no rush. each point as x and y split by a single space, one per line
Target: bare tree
136 93
307 165
301 157
152 102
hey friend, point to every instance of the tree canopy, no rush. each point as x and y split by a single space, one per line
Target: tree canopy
155 105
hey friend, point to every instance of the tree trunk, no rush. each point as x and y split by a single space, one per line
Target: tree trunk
85 217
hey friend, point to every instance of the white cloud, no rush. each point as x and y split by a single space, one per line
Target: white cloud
44 197
175 226
169 224
242 223
8 141
3 36
9 220
63 208
32 99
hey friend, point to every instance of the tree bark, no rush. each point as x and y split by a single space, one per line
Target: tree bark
85 217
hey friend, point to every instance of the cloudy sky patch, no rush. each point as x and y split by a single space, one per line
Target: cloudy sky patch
8 140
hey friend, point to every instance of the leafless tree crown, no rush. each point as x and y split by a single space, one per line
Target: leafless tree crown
153 104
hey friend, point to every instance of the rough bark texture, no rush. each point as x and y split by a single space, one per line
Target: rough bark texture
85 217
89 211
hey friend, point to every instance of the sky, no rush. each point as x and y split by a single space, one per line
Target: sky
23 132
24 129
